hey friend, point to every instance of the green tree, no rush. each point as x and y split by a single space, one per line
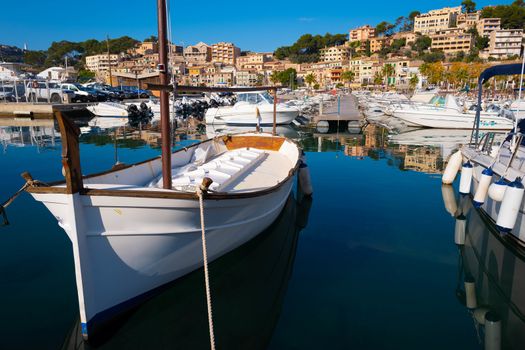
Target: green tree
413 81
310 79
307 47
422 43
387 72
85 75
384 28
468 6
35 58
151 39
512 16
348 76
378 78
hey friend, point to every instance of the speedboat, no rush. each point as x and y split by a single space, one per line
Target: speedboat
109 109
130 236
252 108
449 115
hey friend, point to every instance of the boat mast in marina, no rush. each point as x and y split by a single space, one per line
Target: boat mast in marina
164 102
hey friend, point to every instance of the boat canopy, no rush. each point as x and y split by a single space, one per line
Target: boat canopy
504 69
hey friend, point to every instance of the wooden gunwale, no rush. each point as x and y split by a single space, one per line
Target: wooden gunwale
166 194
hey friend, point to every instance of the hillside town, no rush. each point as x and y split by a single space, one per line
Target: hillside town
459 40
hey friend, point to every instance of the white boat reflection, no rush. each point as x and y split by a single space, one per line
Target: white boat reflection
491 280
283 130
36 134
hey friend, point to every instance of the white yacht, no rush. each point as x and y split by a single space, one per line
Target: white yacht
448 114
244 111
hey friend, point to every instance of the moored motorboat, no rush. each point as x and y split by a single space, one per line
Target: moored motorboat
252 108
450 116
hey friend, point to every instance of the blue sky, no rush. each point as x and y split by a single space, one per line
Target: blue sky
251 25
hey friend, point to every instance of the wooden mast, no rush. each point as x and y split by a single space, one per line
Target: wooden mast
164 102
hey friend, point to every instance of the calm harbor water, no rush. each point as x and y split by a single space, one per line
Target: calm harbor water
369 263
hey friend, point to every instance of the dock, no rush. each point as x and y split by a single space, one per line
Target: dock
345 110
40 110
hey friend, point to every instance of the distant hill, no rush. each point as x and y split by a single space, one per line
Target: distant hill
11 53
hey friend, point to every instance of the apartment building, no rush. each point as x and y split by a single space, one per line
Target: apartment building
365 69
362 34
334 53
468 20
485 26
101 63
436 20
198 54
226 53
246 78
254 58
505 43
144 48
452 40
376 44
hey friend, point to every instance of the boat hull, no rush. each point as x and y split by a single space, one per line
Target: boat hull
119 260
248 115
430 119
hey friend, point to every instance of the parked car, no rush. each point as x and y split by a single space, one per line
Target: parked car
7 93
37 91
138 93
82 94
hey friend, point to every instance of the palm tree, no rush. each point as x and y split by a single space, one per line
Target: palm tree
388 71
348 76
414 80
378 78
310 79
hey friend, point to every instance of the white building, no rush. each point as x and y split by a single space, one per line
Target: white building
436 20
57 74
10 70
505 43
101 63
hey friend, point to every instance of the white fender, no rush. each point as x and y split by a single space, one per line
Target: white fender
510 206
492 331
470 293
453 166
449 199
497 190
483 187
460 229
466 178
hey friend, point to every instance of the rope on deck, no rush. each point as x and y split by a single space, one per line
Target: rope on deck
200 190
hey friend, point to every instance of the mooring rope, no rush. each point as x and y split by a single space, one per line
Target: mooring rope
200 190
29 182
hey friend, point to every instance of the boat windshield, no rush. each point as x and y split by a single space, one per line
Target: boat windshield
262 97
437 101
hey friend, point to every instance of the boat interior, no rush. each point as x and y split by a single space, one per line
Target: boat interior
236 164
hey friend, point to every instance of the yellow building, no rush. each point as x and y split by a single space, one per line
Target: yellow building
101 63
362 34
468 20
451 41
226 53
335 53
436 20
376 44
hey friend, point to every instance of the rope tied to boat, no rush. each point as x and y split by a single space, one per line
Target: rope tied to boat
29 183
201 189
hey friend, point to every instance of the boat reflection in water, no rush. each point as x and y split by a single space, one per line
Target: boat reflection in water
282 130
491 276
16 133
248 286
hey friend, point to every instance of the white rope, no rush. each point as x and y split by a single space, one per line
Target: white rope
206 275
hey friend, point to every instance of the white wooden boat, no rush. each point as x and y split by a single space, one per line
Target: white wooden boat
244 112
130 237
